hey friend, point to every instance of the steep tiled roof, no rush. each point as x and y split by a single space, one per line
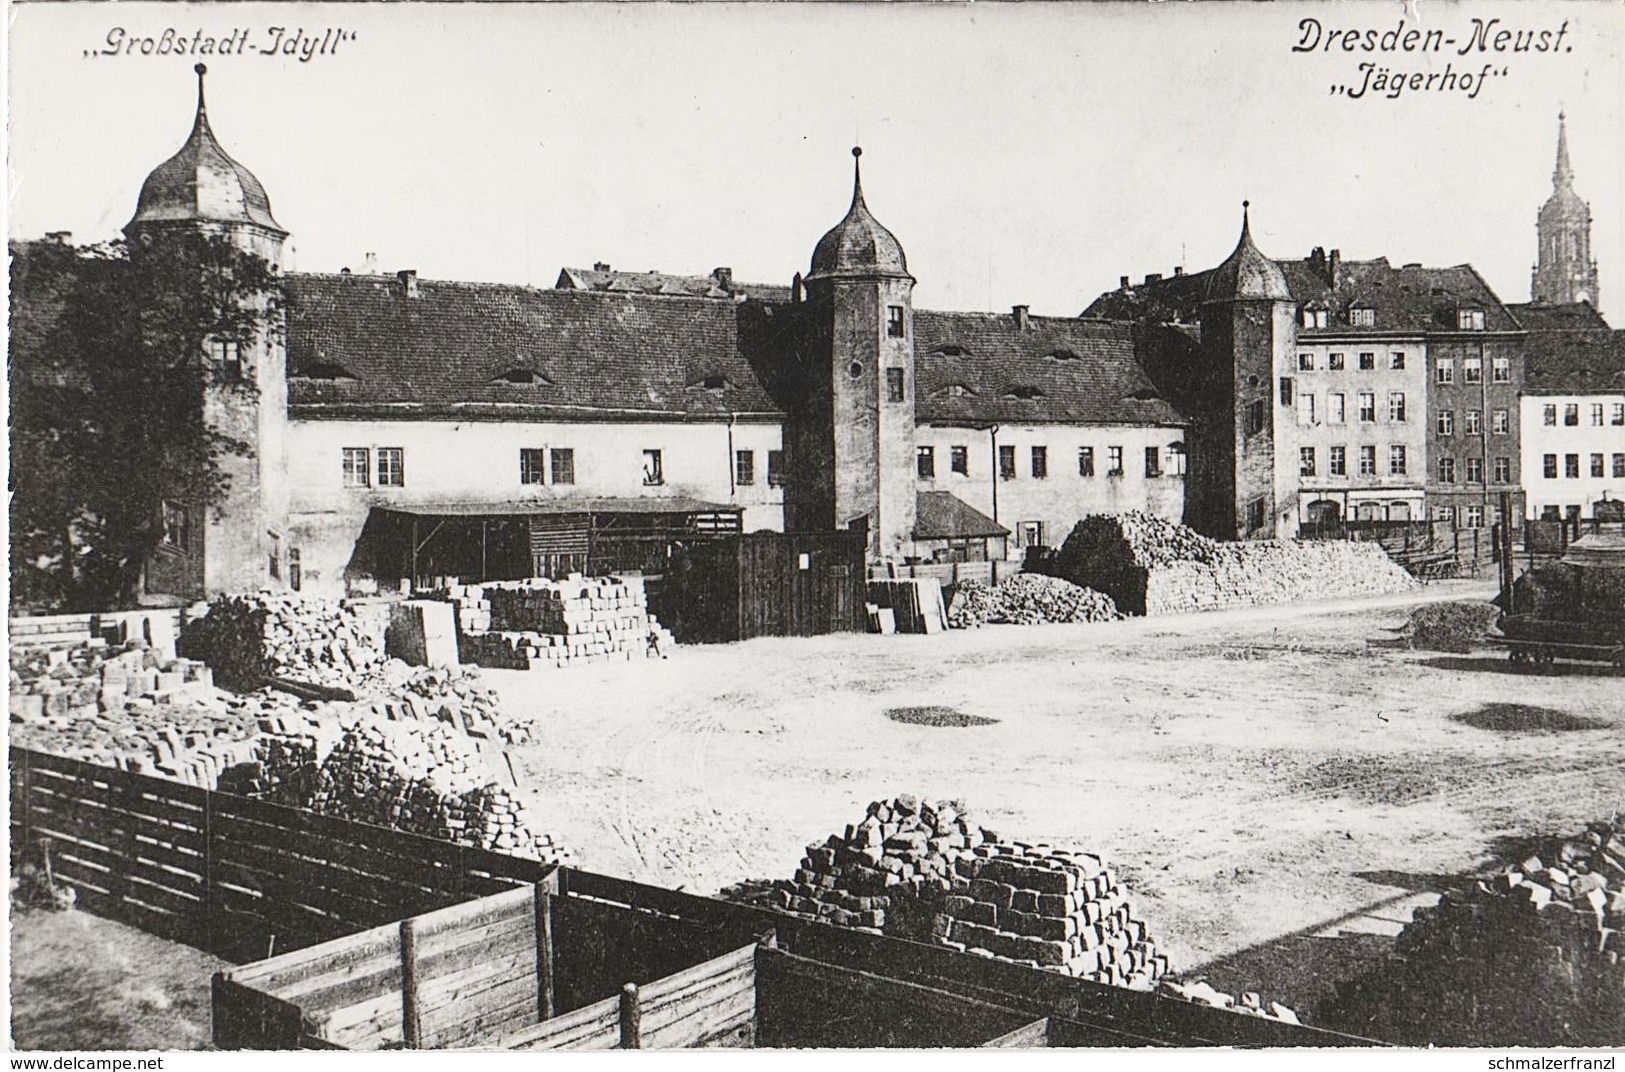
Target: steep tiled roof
981 367
1574 362
941 515
485 349
1572 316
694 286
1405 299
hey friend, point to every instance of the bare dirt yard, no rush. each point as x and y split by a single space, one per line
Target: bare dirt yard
1268 782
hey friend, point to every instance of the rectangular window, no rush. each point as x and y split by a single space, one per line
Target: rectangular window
894 385
1619 465
925 463
1368 461
1337 461
1596 465
227 357
1396 360
1445 513
1173 462
1596 414
1255 515
1475 470
1334 362
273 563
1446 422
1549 415
1472 370
1007 463
1114 461
391 467
1571 466
775 468
1368 406
894 321
1549 466
1470 320
1618 416
654 468
1306 407
357 467
1086 461
1396 460
563 461
1368 362
1286 390
532 465
1306 362
1571 414
745 468
1474 422
1153 462
1363 318
1030 534
1500 423
1040 459
1396 406
1444 370
296 571
1475 516
1255 418
959 460
1447 470
1306 461
1501 369
1336 408
1503 470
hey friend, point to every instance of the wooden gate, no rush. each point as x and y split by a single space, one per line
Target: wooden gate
765 584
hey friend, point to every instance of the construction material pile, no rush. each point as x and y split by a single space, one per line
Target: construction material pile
1027 599
916 605
1532 956
970 604
456 695
322 642
127 706
1457 627
540 623
926 870
419 776
1149 565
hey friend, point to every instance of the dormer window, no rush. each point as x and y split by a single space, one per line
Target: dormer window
1362 316
951 349
1063 355
1314 318
1025 392
1470 320
955 390
523 377
325 370
714 382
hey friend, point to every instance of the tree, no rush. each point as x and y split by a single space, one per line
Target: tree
119 384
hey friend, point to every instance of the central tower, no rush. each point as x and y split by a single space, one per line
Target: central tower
1564 271
860 299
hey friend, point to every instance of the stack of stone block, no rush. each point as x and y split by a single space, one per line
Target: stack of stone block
540 623
252 638
1053 908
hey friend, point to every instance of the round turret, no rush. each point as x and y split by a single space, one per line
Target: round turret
1247 275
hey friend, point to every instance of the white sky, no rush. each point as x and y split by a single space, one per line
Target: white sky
1021 152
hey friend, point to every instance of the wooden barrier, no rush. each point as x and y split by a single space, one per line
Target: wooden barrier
238 877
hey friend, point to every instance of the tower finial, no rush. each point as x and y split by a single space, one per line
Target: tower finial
857 176
1563 175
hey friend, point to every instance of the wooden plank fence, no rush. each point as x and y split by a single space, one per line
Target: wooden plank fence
240 878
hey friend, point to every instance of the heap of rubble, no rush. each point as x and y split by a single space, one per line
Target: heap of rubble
251 639
1530 956
1150 565
1027 599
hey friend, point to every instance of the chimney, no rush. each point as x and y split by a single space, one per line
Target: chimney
61 238
1334 267
795 289
1122 282
1019 313
369 264
409 281
1179 270
724 278
600 266
1153 277
345 271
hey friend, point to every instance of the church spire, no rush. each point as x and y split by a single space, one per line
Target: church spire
1563 175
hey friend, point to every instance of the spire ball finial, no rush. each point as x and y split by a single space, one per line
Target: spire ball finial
1245 205
200 70
857 151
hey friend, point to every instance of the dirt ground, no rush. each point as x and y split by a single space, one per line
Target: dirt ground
1261 778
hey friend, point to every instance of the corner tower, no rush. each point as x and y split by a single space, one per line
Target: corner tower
1248 336
1564 271
860 302
191 204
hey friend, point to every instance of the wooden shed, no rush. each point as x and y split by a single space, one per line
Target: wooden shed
764 584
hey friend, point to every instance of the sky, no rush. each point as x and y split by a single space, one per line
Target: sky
1022 153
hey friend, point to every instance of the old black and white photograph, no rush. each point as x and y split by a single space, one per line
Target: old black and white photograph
862 526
